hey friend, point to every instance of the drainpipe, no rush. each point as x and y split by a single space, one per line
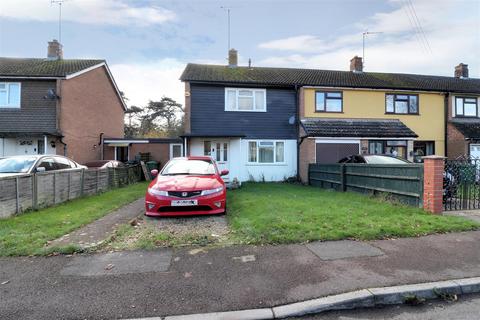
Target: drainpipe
45 141
297 129
101 144
447 95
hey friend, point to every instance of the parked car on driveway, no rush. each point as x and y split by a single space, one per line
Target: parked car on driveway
187 186
374 159
102 164
18 165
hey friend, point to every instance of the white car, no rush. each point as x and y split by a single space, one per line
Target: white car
18 165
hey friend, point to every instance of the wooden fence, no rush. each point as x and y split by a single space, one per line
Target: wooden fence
44 189
402 182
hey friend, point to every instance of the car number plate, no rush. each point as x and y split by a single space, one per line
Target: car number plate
180 203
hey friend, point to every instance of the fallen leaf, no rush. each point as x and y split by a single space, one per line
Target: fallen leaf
109 266
5 282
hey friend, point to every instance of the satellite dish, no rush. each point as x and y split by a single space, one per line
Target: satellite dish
291 120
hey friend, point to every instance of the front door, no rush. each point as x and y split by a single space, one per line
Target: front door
220 153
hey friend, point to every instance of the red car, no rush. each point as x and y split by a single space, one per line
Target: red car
187 186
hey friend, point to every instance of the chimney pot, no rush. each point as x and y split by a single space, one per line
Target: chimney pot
356 64
461 71
232 58
55 50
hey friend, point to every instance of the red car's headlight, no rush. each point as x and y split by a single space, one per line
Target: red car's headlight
211 191
156 192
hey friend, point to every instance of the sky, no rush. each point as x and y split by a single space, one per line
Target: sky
147 43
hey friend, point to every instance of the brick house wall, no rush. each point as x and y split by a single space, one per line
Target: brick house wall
90 106
306 156
457 146
159 152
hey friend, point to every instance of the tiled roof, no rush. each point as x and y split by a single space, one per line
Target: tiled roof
31 67
367 128
470 128
314 77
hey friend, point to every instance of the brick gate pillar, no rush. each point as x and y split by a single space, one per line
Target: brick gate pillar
433 168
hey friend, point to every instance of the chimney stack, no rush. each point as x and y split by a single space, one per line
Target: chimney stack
55 51
461 71
232 58
356 64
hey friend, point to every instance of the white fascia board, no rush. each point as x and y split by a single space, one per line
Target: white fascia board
356 138
371 89
27 77
103 64
124 141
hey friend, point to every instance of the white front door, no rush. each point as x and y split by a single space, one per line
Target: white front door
26 146
220 153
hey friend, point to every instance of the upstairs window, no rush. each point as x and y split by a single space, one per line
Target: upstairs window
9 95
253 100
328 101
466 107
401 103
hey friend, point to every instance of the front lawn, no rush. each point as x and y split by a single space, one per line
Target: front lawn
27 234
273 213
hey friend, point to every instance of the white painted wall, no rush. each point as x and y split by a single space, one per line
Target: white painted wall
242 170
12 147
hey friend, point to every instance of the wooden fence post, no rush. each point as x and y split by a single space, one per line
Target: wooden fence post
34 191
343 178
82 180
17 196
54 187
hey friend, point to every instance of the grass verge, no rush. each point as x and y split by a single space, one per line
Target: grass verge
273 213
27 234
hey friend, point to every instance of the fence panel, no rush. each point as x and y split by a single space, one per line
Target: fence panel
402 182
43 189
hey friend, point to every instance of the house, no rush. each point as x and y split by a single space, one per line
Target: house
249 117
58 106
248 127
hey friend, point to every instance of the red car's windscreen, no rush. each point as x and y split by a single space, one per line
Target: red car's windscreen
188 167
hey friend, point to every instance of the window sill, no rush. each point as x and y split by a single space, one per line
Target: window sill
316 111
255 164
402 114
245 110
9 108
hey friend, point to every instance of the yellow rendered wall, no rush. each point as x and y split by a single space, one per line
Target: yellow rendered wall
364 104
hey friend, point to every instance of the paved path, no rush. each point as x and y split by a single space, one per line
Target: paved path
96 232
468 214
192 280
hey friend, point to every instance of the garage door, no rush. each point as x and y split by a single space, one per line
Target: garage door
332 152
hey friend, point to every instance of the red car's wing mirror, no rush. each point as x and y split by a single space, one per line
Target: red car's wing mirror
224 172
154 173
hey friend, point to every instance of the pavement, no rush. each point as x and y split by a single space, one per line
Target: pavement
467 214
197 280
96 232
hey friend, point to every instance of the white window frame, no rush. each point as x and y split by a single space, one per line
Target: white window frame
274 152
254 101
171 149
7 89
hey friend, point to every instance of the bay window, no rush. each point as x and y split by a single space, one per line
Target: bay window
266 151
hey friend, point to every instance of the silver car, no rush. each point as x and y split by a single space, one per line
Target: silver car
18 165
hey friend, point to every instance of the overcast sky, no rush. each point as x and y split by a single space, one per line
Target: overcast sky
147 43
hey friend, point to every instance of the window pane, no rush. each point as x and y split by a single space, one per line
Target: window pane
217 153
3 98
231 98
389 102
320 104
225 151
265 154
259 100
402 97
470 109
246 93
413 104
245 103
177 151
470 100
279 152
459 106
375 147
62 163
334 105
207 148
252 151
2 86
334 95
401 106
14 95
429 148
